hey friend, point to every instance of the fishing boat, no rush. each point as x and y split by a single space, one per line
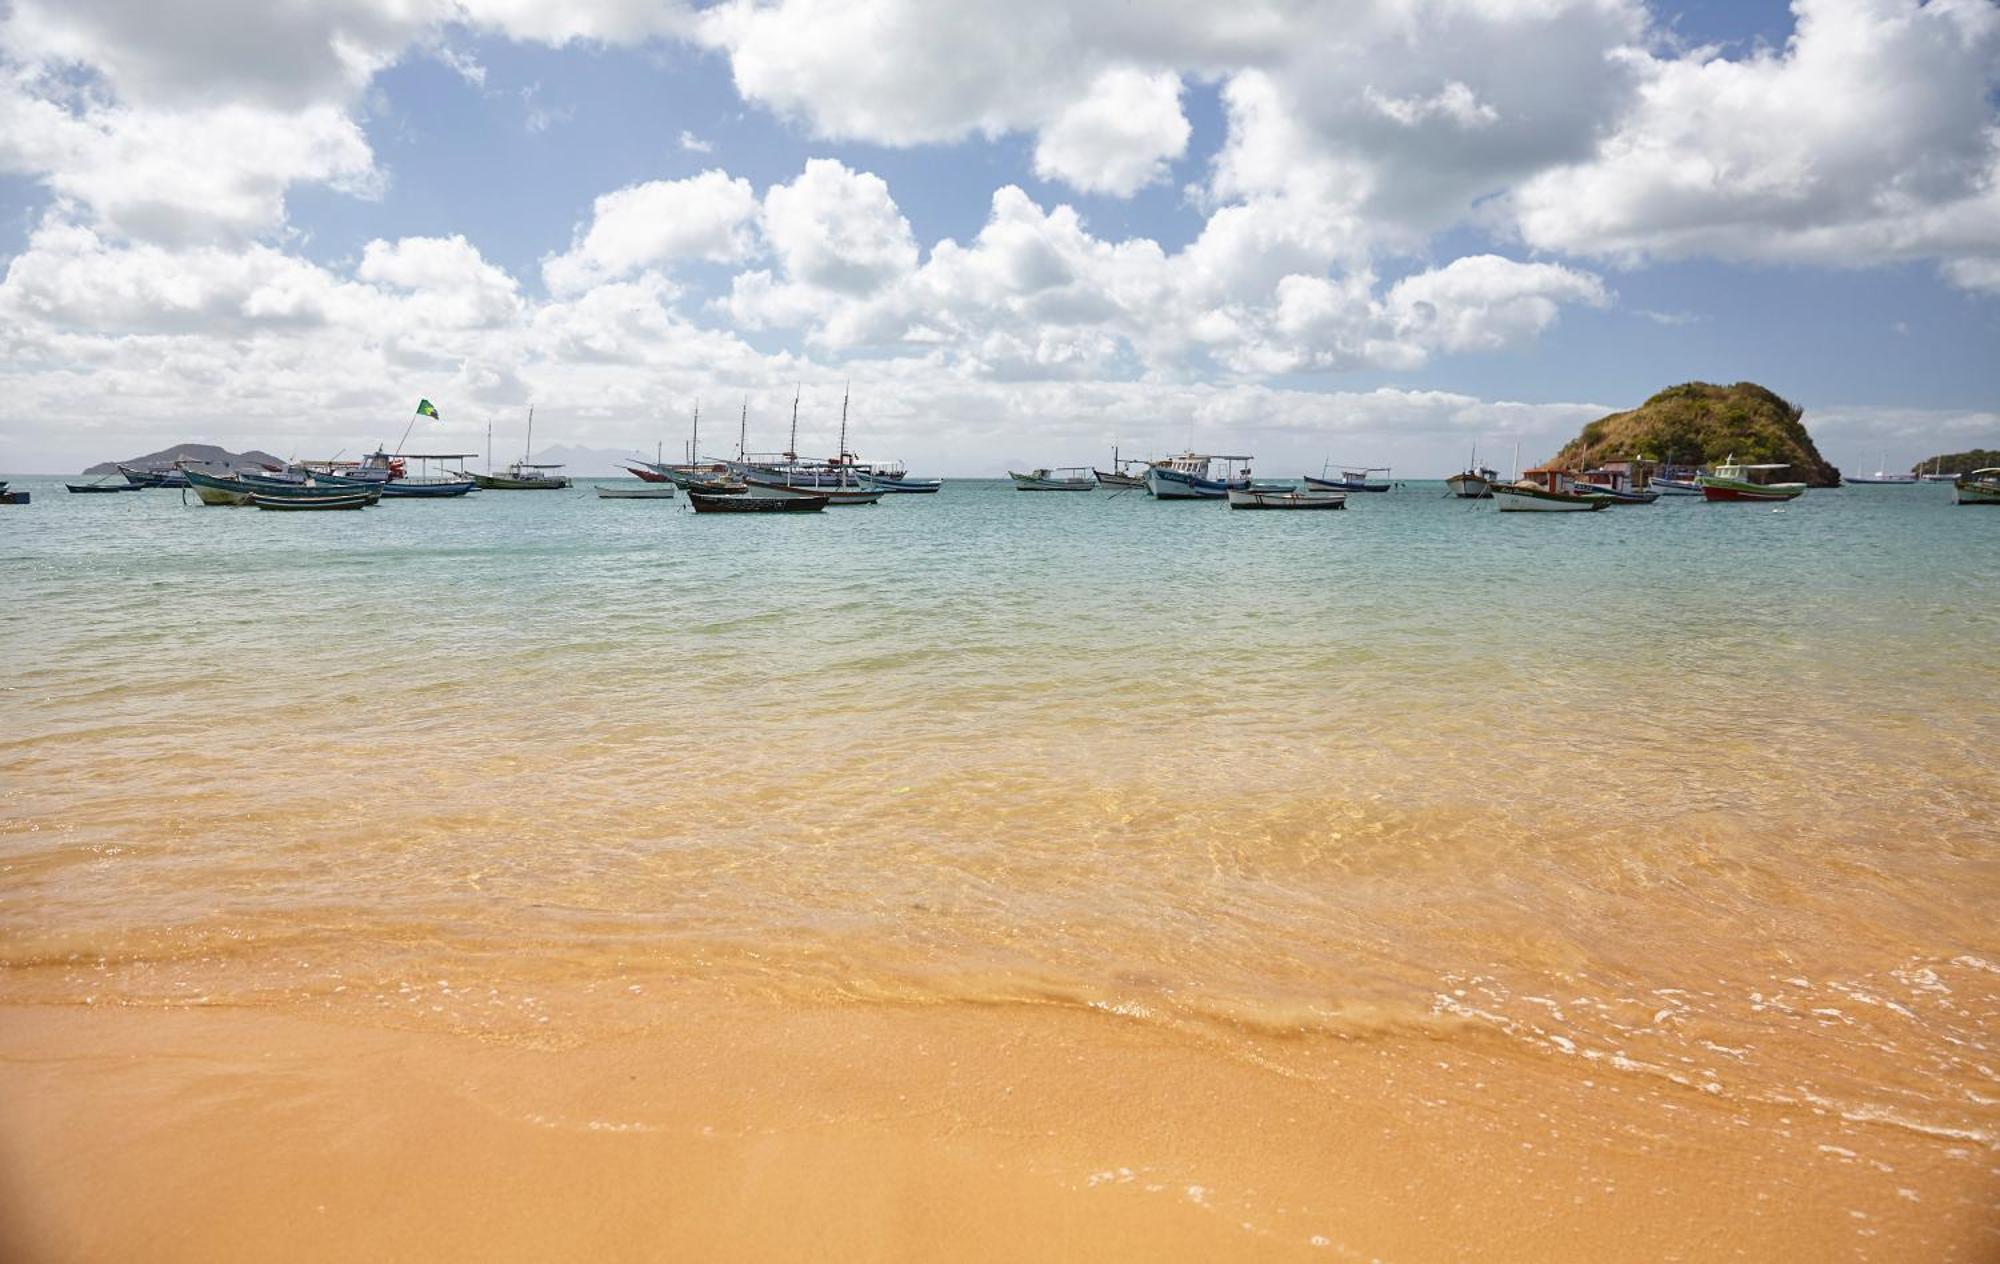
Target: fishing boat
523 475
1546 490
900 484
1120 474
401 484
1191 476
219 489
1882 476
1979 487
705 503
1254 498
1060 478
644 491
1734 481
1350 480
1673 481
153 478
14 498
1623 481
1473 484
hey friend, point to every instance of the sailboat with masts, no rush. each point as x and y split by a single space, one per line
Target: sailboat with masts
524 475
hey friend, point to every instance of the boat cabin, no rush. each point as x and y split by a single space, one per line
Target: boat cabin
1198 464
1623 476
1765 473
1550 478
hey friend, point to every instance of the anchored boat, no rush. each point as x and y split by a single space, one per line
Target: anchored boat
1060 478
1545 491
1734 481
1980 487
1254 498
644 491
705 503
1191 476
1350 480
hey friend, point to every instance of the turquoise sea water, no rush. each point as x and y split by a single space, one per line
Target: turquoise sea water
1416 763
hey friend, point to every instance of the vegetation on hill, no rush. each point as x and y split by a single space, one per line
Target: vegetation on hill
205 453
1698 423
1958 462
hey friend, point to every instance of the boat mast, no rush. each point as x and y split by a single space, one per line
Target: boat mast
841 456
694 440
528 449
792 449
489 447
743 428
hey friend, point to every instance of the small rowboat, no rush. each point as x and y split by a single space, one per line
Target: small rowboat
89 488
645 491
314 498
705 503
1252 498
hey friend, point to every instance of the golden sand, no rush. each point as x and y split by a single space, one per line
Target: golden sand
736 1129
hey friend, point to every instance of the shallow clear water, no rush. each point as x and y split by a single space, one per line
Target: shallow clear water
1698 792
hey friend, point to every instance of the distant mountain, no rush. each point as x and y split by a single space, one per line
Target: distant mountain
1958 462
1698 423
206 453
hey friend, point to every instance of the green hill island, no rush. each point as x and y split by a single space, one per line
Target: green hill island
1698 423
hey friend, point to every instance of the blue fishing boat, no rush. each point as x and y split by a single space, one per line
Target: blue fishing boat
1192 476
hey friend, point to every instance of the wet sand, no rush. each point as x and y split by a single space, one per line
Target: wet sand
731 1128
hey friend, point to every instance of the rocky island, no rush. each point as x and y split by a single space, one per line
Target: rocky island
1698 423
202 453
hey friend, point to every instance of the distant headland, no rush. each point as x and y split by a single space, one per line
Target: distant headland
1699 423
202 453
1959 462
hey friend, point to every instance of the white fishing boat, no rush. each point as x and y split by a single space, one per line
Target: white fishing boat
1193 476
1546 491
1060 478
1473 484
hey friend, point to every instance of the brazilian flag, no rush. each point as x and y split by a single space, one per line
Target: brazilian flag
426 409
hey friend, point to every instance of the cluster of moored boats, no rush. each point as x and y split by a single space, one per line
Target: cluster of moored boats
784 482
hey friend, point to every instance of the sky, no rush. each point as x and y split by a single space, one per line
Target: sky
1374 232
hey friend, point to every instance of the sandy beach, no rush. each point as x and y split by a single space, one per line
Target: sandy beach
729 1129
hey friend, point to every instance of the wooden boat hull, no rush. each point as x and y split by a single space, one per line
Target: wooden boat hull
1170 484
1316 483
86 489
1240 498
427 489
1977 491
1511 498
1619 496
1729 489
502 483
1107 479
1031 483
902 486
313 500
831 495
213 490
704 503
1470 487
663 491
